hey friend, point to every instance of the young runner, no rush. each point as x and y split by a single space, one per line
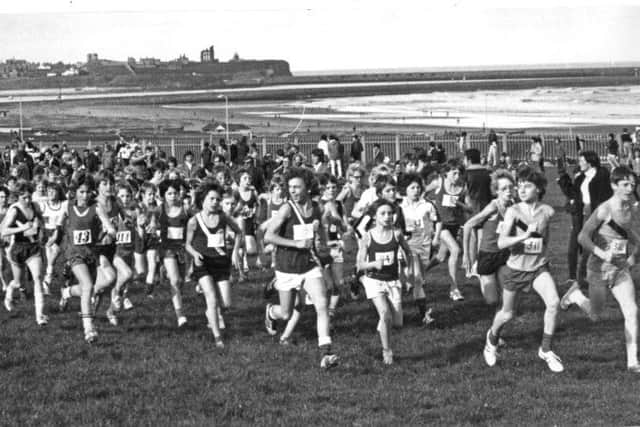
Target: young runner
55 209
526 234
378 259
146 246
607 236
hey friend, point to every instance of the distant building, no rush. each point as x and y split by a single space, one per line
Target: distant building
92 57
208 55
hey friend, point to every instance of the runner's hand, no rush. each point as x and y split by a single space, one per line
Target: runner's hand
304 244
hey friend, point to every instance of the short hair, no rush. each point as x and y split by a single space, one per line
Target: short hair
318 153
204 189
105 175
24 187
309 179
451 165
276 180
528 174
473 155
497 175
621 173
176 184
592 158
409 178
187 153
380 203
376 145
382 181
326 178
59 191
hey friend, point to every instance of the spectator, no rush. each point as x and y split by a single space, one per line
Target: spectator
317 161
205 155
441 156
627 143
323 144
612 151
187 169
356 149
378 155
335 160
243 149
535 152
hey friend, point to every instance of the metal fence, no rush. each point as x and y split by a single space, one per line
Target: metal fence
394 146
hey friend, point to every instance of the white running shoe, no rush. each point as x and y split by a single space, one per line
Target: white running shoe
117 302
328 361
46 291
553 361
182 320
566 301
219 342
387 357
634 369
113 319
91 336
427 319
456 295
127 304
42 320
490 352
8 304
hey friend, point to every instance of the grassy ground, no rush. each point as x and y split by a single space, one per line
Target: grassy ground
147 372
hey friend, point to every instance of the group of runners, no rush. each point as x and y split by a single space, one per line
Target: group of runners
110 232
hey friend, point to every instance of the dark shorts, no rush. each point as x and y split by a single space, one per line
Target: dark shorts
76 255
218 269
249 226
126 254
515 280
454 229
107 251
178 253
146 243
490 262
47 235
20 252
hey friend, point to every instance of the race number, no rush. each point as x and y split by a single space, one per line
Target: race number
123 237
302 231
175 233
618 246
387 258
449 201
82 237
533 245
500 227
215 240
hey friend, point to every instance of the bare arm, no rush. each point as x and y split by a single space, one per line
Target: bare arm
589 227
106 222
506 241
191 228
475 221
272 236
8 219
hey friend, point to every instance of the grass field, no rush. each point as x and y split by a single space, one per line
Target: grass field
147 372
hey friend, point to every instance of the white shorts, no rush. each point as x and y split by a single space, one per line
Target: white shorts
294 281
375 288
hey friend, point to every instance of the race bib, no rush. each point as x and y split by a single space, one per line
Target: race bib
500 227
449 201
533 245
618 246
302 231
417 224
32 231
337 254
215 240
273 214
82 237
333 228
175 233
123 237
387 258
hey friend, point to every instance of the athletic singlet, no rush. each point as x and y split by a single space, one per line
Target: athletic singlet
491 230
150 213
30 235
210 241
53 216
246 208
83 225
388 253
450 212
532 253
114 217
612 236
419 218
294 260
350 200
125 231
273 208
173 229
334 236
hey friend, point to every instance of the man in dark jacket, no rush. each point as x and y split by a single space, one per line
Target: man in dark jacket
356 148
585 192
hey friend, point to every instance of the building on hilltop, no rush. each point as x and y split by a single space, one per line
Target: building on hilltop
207 55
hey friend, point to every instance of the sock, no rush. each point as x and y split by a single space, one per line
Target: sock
66 292
421 304
546 342
632 354
493 339
325 349
87 322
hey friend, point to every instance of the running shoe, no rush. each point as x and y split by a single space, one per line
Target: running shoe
8 304
46 291
111 317
182 320
456 295
149 287
329 361
490 352
127 304
566 301
64 301
42 320
117 302
634 369
268 321
219 342
427 319
387 357
553 361
91 336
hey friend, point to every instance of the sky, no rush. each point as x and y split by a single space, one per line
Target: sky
329 34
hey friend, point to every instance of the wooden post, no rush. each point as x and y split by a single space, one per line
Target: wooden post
504 144
264 146
397 147
364 150
173 147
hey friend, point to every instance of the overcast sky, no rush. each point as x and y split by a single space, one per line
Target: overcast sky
327 34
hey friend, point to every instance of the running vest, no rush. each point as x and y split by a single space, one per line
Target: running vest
210 242
83 225
532 253
450 212
173 230
491 229
114 217
612 236
294 260
388 253
125 232
30 235
419 218
53 216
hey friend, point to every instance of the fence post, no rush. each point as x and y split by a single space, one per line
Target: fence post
504 144
89 144
173 147
364 150
40 145
397 147
264 146
210 140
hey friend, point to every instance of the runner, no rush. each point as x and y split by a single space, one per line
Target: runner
54 211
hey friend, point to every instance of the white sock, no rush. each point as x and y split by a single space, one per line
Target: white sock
632 354
66 292
577 297
38 301
87 323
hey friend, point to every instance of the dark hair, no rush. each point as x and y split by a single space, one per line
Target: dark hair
204 189
528 174
176 184
105 175
473 155
408 179
309 179
318 153
621 173
159 165
326 178
379 203
376 145
276 180
59 191
382 181
592 158
83 179
187 153
451 165
24 187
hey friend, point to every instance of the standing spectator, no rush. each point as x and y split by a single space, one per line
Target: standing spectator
108 157
187 169
612 151
124 155
356 149
579 144
233 151
492 154
462 143
441 156
535 153
478 193
243 149
323 144
222 148
627 142
584 193
335 161
378 155
205 155
91 161
493 137
317 161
